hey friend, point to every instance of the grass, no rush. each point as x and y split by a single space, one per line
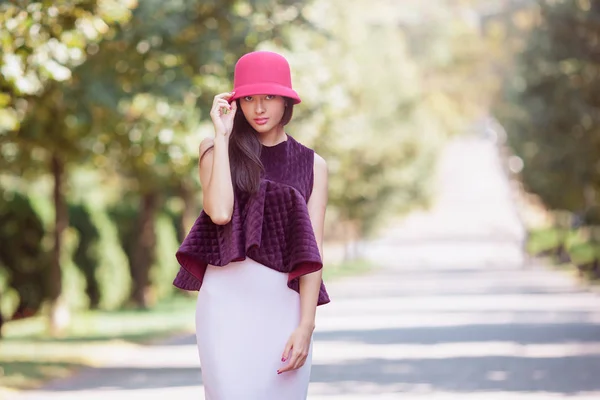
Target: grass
29 374
127 324
544 239
30 357
580 250
347 268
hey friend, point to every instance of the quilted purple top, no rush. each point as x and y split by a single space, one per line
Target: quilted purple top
272 226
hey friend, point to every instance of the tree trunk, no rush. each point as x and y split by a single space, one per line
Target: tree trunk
1 323
144 251
59 312
596 269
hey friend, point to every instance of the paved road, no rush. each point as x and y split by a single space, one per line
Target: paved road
453 315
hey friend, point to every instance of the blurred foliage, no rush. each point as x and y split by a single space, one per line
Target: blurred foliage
123 215
41 42
86 254
24 258
383 86
550 107
165 267
99 257
577 248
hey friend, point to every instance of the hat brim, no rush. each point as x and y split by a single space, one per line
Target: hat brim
265 88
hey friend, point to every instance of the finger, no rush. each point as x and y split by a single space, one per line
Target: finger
221 109
299 364
230 99
225 95
217 112
223 103
290 365
300 359
286 351
285 369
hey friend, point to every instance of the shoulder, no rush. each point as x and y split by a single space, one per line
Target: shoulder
319 181
298 146
320 175
305 150
317 162
320 165
205 145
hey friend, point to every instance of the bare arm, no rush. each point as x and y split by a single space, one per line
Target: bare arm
215 178
214 170
311 283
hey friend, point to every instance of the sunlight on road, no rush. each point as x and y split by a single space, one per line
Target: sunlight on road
473 222
454 313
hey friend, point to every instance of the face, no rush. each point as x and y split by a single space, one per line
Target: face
263 112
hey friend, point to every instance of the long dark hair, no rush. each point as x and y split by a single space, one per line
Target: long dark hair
244 150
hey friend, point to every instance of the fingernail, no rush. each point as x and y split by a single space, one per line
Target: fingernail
282 358
278 372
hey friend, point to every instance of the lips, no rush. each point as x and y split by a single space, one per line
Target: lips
261 121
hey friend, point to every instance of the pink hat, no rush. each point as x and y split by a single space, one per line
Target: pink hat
263 72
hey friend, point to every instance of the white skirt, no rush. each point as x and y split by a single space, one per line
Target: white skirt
245 315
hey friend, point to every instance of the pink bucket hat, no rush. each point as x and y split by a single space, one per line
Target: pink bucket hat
263 72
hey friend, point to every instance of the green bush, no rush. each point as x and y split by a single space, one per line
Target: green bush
113 269
100 257
86 255
25 259
165 268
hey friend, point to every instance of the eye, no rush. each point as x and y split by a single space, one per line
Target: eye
270 96
248 98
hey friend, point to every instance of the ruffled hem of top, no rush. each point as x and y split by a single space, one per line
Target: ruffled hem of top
272 227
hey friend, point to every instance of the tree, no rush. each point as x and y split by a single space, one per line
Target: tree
40 46
550 107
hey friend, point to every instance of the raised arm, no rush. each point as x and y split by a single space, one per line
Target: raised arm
213 166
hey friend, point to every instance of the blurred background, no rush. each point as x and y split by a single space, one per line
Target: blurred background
103 104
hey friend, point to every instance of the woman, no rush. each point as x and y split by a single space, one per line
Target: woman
255 251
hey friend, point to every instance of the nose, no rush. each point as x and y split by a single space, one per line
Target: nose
259 106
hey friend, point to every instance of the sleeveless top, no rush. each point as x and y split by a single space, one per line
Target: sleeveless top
272 226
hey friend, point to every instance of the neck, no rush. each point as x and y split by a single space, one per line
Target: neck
273 137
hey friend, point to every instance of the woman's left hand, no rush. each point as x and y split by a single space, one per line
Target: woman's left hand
298 345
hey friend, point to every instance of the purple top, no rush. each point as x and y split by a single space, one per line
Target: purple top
272 226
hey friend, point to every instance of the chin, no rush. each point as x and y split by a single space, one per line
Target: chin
262 128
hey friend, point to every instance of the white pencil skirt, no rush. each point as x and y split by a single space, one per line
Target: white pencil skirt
245 315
